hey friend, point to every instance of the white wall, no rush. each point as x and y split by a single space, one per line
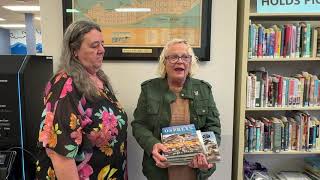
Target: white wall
126 76
51 28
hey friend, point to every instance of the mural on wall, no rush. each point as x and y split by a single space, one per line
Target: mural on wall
18 43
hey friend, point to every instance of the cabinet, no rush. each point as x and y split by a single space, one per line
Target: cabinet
279 65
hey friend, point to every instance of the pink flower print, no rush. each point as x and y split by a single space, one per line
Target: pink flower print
85 172
83 101
109 119
47 89
58 77
85 121
88 112
48 107
46 134
77 136
85 114
67 87
95 138
105 116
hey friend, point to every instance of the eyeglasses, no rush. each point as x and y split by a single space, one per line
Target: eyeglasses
174 58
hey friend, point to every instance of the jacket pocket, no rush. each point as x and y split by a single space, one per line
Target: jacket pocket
202 109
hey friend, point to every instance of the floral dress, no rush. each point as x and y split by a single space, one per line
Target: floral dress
92 133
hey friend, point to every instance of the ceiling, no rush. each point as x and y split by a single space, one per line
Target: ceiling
13 17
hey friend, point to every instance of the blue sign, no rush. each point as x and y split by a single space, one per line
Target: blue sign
288 6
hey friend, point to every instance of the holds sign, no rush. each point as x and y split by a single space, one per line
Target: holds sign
288 6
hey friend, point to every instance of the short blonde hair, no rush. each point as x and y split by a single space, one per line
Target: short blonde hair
194 60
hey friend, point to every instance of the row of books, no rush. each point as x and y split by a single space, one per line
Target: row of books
264 90
288 41
297 131
184 142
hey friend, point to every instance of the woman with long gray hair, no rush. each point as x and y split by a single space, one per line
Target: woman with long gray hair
84 128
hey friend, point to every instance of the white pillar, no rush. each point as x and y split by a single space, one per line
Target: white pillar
30 34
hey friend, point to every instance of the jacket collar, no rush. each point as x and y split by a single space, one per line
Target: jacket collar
186 92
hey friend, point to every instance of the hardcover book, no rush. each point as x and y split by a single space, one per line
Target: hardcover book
211 146
181 141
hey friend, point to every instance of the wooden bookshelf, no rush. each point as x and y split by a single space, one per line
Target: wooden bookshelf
246 13
283 59
285 15
312 108
282 152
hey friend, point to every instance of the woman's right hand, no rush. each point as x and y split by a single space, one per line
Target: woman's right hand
160 160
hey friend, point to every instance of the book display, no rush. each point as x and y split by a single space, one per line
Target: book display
277 115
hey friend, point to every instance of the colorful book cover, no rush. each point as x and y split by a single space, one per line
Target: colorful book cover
211 147
181 140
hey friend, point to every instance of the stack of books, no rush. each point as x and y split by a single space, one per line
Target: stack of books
184 142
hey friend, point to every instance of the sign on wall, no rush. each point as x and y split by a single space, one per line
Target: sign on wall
288 6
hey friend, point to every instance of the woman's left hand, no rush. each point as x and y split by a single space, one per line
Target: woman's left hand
199 161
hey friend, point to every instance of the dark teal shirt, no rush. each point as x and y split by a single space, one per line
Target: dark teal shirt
153 113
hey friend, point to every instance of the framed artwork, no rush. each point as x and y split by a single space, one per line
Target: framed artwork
138 29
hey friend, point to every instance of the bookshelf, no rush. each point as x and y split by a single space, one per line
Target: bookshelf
283 152
247 13
315 108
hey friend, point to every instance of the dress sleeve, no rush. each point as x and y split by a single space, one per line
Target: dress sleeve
60 129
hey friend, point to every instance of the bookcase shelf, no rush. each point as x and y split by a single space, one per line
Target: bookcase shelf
286 67
283 59
285 15
311 108
282 152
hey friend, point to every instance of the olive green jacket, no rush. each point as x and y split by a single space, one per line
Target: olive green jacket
153 113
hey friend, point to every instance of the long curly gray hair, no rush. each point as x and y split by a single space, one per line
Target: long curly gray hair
73 37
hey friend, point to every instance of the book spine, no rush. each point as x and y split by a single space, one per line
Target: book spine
318 41
276 137
308 41
298 52
250 45
258 135
249 89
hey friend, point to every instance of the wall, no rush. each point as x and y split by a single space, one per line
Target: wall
51 28
5 41
127 76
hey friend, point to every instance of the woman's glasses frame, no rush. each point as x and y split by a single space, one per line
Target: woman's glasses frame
174 58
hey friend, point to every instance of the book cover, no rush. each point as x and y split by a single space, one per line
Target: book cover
181 140
211 147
